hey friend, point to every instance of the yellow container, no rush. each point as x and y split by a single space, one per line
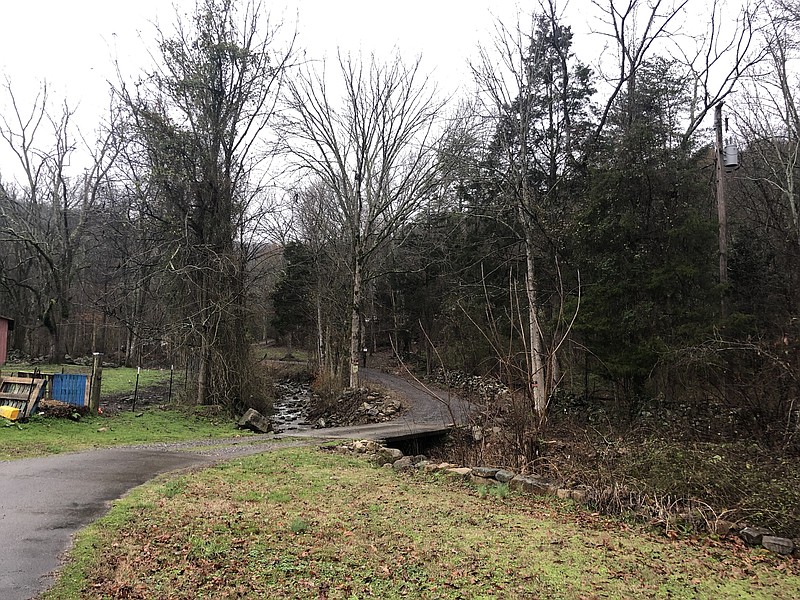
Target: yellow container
9 412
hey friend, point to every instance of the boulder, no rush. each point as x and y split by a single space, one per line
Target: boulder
752 536
255 421
778 545
487 472
721 527
504 476
390 454
459 471
403 464
529 485
478 480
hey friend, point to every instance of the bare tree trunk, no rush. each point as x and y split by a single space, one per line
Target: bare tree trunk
355 324
321 355
395 338
202 372
537 379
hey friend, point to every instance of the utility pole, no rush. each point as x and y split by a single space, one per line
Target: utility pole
722 212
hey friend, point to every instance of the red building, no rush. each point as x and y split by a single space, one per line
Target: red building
6 325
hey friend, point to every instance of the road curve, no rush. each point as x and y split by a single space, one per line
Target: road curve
430 409
45 501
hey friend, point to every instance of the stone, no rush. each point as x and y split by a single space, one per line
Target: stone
255 421
418 458
579 496
403 464
489 472
458 471
390 454
778 545
478 480
722 527
359 447
529 485
752 536
423 464
504 476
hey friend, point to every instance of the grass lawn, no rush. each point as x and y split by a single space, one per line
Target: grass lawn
301 523
264 352
42 435
119 380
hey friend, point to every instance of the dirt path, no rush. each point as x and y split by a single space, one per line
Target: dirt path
431 409
429 404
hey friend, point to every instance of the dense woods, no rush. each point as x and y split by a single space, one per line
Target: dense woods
557 226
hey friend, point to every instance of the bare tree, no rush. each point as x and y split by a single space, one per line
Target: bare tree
372 149
535 96
312 225
769 117
47 211
201 117
713 60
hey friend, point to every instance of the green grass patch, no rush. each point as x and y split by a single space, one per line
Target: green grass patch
350 530
45 435
262 352
119 380
123 379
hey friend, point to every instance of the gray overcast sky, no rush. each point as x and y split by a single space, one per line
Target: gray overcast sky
72 44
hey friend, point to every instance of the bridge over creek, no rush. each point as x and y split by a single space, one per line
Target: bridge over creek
432 413
44 501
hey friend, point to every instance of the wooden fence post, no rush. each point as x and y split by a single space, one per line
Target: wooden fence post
94 386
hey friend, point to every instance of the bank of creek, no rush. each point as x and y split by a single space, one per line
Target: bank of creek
297 408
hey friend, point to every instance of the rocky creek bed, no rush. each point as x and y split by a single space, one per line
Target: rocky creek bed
298 407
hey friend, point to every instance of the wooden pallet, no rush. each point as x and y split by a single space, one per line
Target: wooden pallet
23 393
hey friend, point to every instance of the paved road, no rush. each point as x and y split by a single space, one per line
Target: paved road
45 501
